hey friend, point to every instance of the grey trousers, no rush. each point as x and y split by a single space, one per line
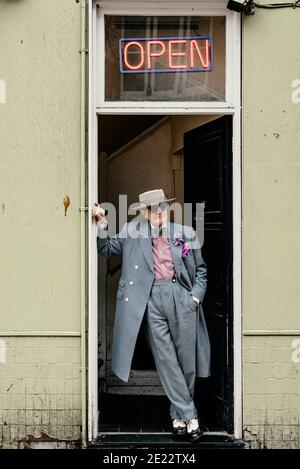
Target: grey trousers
170 326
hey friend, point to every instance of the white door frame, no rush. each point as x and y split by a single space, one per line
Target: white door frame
231 106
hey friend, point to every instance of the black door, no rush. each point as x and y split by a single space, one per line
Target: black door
208 178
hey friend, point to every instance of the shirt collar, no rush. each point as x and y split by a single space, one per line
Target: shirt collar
158 232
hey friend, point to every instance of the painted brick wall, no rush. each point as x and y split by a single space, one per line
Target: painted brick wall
272 391
40 388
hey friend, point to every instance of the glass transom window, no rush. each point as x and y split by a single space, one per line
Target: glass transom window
165 58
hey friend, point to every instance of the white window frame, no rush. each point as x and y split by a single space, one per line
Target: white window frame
232 106
161 9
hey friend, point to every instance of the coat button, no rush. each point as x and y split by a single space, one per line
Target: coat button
131 283
126 299
136 266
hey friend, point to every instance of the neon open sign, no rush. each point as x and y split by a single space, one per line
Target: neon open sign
166 54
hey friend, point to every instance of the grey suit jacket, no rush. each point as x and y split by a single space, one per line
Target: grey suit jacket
134 245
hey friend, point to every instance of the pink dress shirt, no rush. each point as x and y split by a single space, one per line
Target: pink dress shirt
162 259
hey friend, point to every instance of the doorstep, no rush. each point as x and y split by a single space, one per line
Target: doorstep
163 440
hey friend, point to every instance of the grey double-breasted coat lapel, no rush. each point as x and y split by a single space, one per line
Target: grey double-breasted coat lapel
137 275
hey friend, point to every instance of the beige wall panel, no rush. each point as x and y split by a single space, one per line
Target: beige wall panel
144 165
271 171
40 389
40 163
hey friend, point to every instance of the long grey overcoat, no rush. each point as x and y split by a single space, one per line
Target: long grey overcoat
137 275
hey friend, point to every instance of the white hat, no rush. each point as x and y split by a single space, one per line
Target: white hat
154 197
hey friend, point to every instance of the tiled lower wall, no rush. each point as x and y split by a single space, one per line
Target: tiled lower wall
40 388
271 367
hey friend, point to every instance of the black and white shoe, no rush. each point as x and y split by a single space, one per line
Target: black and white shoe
179 428
194 429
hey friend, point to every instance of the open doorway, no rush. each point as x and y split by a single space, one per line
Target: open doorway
190 157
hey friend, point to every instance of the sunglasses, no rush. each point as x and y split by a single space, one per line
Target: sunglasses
154 208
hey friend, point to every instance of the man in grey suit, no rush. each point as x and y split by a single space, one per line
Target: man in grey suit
163 280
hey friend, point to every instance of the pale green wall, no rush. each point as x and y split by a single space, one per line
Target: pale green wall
40 377
271 228
271 170
40 163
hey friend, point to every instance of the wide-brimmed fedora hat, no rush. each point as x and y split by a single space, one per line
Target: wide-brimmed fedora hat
154 197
